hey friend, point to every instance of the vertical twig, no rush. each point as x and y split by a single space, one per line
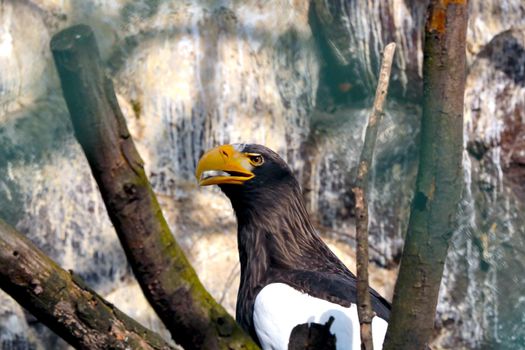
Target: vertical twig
364 307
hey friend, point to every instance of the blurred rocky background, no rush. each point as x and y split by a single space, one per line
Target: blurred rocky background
297 76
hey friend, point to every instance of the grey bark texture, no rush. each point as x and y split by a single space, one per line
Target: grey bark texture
62 302
439 181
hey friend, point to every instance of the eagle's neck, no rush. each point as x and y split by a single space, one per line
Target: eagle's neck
274 235
274 231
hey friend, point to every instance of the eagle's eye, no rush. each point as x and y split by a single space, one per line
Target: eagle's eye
256 159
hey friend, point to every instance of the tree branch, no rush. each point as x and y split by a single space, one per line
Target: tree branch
63 303
439 180
364 307
169 282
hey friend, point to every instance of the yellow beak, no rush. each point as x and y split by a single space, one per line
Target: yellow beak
223 165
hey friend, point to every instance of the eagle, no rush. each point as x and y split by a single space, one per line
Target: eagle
289 276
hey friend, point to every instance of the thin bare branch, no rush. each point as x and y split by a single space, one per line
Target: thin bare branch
364 307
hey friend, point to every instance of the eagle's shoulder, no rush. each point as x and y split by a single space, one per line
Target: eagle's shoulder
337 288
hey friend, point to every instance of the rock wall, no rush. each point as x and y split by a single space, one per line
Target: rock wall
296 76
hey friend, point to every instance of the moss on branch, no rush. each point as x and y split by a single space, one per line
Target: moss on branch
169 282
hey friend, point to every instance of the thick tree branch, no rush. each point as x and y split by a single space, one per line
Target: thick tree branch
364 306
169 282
439 181
63 303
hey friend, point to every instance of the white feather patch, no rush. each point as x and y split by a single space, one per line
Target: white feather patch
279 308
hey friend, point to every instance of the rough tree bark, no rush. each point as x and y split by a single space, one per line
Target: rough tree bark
439 180
169 282
364 306
62 302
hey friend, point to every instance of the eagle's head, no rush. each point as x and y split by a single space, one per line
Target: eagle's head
249 174
273 224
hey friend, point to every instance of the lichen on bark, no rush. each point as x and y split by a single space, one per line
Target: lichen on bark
65 304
